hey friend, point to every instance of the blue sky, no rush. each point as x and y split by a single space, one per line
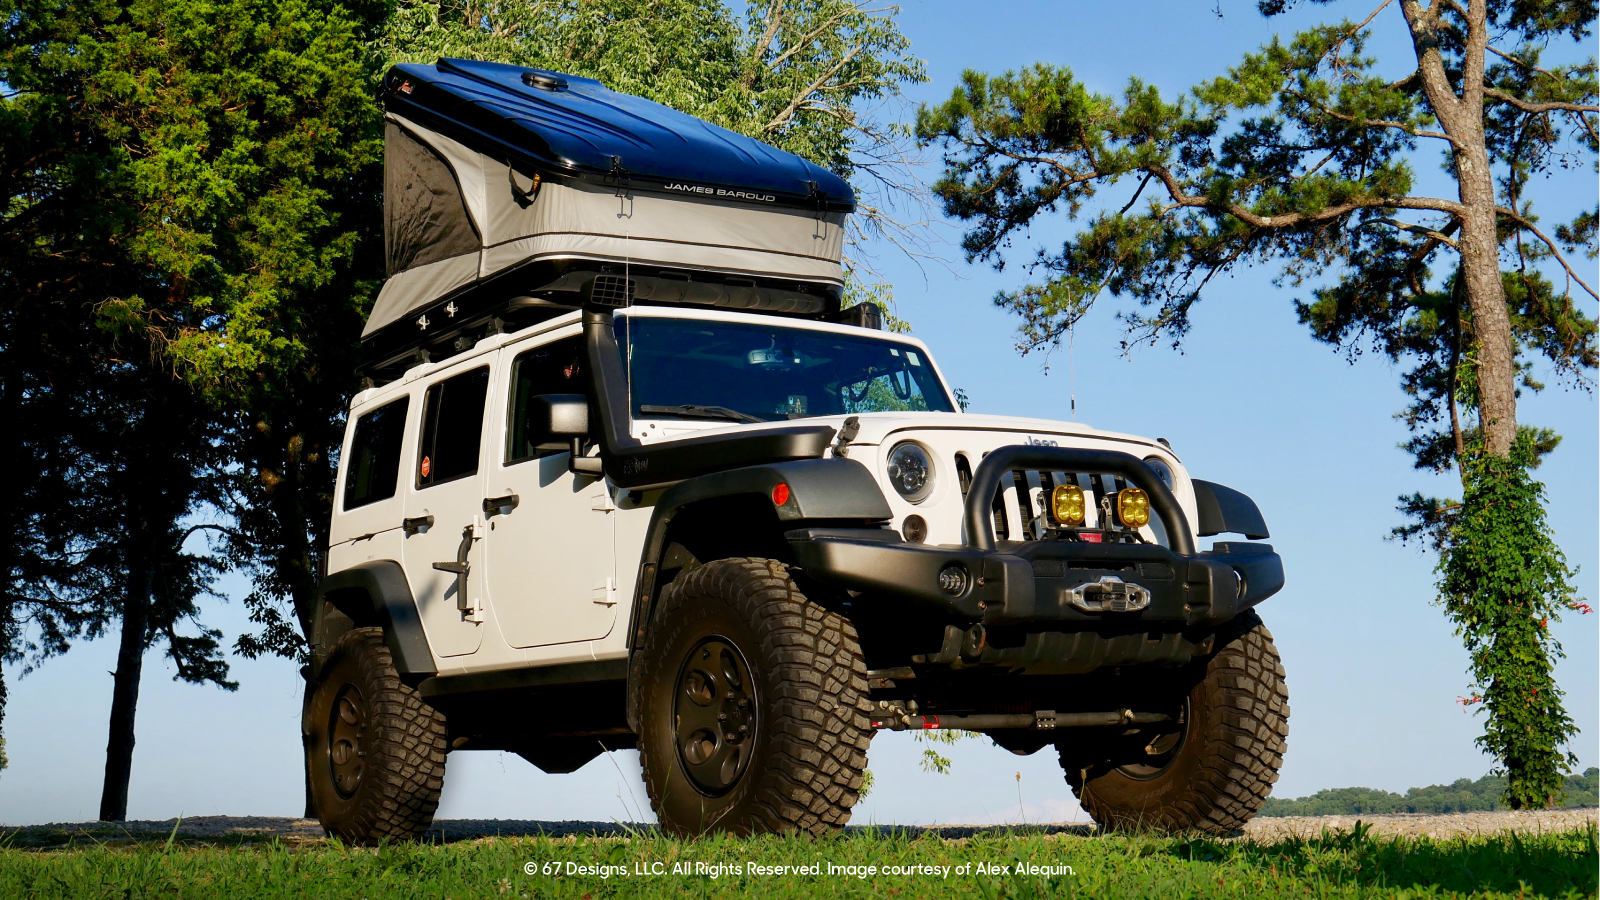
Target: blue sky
1251 402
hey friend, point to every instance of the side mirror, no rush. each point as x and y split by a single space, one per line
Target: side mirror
556 421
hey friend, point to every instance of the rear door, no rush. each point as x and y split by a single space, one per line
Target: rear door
551 554
371 498
443 555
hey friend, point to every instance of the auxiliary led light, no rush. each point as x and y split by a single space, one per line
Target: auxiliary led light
1133 507
1066 504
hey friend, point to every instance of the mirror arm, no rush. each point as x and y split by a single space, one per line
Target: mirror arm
579 464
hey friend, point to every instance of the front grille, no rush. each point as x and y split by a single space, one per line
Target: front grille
1024 494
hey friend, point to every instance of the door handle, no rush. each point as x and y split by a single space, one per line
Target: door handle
416 524
492 506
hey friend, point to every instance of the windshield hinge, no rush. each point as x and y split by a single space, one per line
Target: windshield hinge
847 433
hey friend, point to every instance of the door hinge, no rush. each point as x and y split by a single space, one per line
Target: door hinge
606 594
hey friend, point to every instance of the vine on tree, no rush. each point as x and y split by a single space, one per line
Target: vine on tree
1502 581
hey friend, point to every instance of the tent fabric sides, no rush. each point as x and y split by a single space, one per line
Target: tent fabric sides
425 217
483 221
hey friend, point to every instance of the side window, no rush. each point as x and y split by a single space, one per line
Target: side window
555 368
373 470
452 428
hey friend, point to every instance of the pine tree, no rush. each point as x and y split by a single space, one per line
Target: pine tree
1302 155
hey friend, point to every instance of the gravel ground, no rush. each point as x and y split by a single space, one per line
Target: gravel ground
250 829
1420 824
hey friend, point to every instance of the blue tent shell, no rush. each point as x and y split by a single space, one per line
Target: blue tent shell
575 127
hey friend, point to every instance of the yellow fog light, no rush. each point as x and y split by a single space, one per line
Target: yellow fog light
1066 504
1133 507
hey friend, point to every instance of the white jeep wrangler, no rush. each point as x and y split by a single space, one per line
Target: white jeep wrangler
634 478
741 544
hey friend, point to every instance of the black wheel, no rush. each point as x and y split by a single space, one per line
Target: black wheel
1214 771
753 705
374 750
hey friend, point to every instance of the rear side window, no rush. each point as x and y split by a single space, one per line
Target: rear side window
373 469
452 428
555 368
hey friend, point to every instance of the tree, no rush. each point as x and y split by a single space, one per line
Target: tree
47 597
248 132
1302 155
802 75
48 180
199 188
157 450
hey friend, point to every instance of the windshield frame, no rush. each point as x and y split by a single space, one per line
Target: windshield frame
768 321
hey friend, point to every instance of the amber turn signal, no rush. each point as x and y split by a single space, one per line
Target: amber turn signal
1133 507
1066 504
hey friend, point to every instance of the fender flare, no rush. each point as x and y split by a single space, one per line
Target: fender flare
1225 510
376 593
837 490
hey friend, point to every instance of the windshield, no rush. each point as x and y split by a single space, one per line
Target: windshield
696 369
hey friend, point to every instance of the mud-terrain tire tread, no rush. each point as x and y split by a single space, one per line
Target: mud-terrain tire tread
812 671
1245 736
406 755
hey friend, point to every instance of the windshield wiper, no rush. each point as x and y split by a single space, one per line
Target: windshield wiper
696 411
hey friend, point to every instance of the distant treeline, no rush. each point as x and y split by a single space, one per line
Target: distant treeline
1463 795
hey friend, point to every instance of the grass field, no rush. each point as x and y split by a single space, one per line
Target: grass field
908 865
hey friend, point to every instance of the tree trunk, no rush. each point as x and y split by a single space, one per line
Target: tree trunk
1462 119
125 688
1491 323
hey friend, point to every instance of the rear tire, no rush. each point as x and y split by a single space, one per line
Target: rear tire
753 706
1216 772
375 751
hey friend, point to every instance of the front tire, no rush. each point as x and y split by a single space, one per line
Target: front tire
374 750
753 706
1214 774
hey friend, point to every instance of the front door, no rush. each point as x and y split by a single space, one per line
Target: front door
444 526
550 551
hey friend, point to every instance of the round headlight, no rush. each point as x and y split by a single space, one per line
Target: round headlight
911 471
1162 470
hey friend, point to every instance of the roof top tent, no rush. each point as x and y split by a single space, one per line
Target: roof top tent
512 195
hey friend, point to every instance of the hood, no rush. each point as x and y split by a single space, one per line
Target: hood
876 428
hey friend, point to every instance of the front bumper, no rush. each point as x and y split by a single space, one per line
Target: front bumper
1035 581
1170 599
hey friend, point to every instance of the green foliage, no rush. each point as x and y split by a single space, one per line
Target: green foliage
189 188
1461 795
1336 864
249 142
236 127
932 760
1502 582
1298 155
